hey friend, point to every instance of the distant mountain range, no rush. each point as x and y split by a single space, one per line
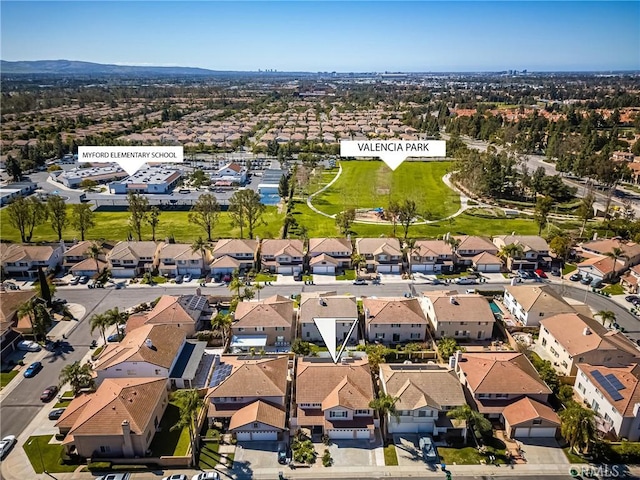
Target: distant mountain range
70 67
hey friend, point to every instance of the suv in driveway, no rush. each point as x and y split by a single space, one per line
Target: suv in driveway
115 476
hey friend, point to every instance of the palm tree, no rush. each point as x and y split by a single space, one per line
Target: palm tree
222 323
78 376
606 316
578 426
201 246
101 322
115 316
473 419
447 346
27 310
257 287
358 261
94 251
386 406
616 253
510 251
235 283
190 405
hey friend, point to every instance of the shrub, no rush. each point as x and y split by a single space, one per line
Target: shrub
96 466
327 461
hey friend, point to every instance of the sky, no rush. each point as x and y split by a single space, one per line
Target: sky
362 36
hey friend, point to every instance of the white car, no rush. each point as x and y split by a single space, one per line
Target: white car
75 280
206 476
176 476
5 445
28 346
187 278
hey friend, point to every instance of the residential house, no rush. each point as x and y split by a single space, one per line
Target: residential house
601 268
630 250
631 279
233 254
265 323
535 251
119 419
22 261
10 302
394 320
431 256
487 263
132 259
468 246
329 255
613 392
187 312
249 394
531 303
460 316
76 260
333 399
425 393
317 306
571 338
284 256
382 255
528 418
495 380
180 259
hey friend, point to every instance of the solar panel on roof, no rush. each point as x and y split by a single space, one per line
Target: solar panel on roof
613 380
221 372
197 303
607 386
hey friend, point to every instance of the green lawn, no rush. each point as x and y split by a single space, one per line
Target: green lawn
348 275
209 456
262 277
471 456
50 455
62 404
6 377
114 226
568 268
166 441
371 184
572 457
615 289
390 457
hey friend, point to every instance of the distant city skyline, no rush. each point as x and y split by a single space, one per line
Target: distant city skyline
329 36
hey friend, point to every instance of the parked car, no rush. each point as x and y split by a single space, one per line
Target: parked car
555 271
49 393
632 298
114 337
466 281
284 455
586 280
541 274
84 279
597 283
32 369
176 476
179 278
6 444
115 476
56 413
75 280
428 449
575 277
360 281
206 476
187 278
28 346
297 277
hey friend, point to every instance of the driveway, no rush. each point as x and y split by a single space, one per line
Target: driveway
349 453
542 451
258 454
408 451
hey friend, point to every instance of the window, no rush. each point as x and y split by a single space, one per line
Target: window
131 372
484 395
148 436
404 413
542 315
607 418
259 329
240 329
442 333
255 424
425 413
279 329
338 414
565 364
362 412
379 335
395 325
502 395
105 449
537 421
308 334
544 342
463 323
157 371
415 336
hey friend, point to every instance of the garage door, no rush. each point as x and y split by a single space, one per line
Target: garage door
285 270
255 436
341 434
363 434
243 436
533 432
323 269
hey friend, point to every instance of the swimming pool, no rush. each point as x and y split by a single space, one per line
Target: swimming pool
494 308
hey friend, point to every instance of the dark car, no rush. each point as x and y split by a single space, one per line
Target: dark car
297 277
632 298
586 280
284 456
33 369
575 277
56 413
49 393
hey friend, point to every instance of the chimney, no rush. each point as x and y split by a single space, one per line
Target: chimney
321 302
458 356
148 343
453 301
126 428
586 331
452 362
127 448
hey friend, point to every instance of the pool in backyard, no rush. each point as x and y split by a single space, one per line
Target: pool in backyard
495 308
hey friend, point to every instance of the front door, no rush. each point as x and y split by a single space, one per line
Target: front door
396 337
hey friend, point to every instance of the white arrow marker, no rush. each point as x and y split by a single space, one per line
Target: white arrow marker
327 329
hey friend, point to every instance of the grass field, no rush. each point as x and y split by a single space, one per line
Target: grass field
167 441
114 226
42 453
372 184
6 377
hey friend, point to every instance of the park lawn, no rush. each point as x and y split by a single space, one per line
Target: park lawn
371 184
166 441
615 289
6 377
114 226
50 455
390 457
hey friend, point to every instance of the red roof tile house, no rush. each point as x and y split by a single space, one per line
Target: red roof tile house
329 255
528 418
333 399
498 379
284 257
265 323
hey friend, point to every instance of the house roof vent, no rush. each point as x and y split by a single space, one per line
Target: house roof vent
586 331
148 343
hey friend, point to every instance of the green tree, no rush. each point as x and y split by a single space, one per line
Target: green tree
25 215
585 211
204 213
88 184
138 212
344 219
303 451
543 208
44 287
283 187
407 215
386 407
95 251
101 322
153 220
475 420
392 212
511 251
300 347
606 316
246 209
358 261
200 246
376 354
190 405
13 167
78 376
616 253
57 212
578 427
561 245
82 218
222 323
447 346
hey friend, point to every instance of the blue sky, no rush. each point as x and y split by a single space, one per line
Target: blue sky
328 36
